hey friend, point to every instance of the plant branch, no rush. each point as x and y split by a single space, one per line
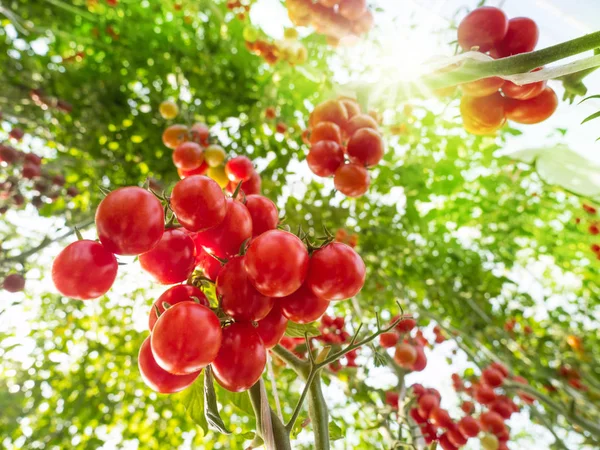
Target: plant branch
280 434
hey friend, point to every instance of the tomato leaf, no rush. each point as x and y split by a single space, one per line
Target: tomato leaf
299 330
211 411
588 98
239 400
591 117
193 400
335 432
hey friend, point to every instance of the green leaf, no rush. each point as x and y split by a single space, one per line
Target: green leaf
299 330
193 400
239 400
335 432
213 417
588 98
593 116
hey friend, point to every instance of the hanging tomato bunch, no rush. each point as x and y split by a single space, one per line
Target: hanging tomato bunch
488 103
344 143
288 49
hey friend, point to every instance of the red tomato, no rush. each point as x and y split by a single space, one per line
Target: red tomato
445 444
484 27
8 154
188 156
130 221
351 180
522 37
483 115
352 9
468 426
440 418
359 122
186 338
492 422
329 111
210 266
366 147
421 361
175 135
30 171
324 158
238 297
158 379
388 340
173 295
534 110
405 354
276 263
483 87
326 131
336 272
33 159
426 404
252 186
13 283
225 239
492 377
241 359
197 171
351 107
239 169
302 306
263 212
200 134
198 203
500 367
405 325
84 270
525 91
172 260
392 399
502 408
272 328
484 394
456 437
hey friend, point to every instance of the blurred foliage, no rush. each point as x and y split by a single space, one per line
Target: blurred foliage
453 232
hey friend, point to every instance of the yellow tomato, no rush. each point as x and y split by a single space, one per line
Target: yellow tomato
218 174
489 442
168 110
575 342
214 155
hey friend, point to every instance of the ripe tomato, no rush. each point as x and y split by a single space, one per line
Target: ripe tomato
175 135
352 9
270 113
483 87
484 27
168 110
324 158
241 359
210 266
303 306
225 239
329 3
252 186
186 338
525 91
239 169
214 155
198 203
445 444
484 394
188 156
350 106
272 328
483 115
421 361
263 212
456 437
440 418
8 154
358 122
351 180
276 263
366 147
329 111
201 170
200 134
426 404
172 259
500 368
468 426
492 377
326 131
13 283
388 340
130 221
84 270
173 295
238 297
493 422
405 354
30 171
522 37
534 110
33 159
336 272
158 379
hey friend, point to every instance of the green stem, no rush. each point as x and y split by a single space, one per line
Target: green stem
557 441
319 415
280 434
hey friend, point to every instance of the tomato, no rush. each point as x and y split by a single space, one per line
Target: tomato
168 110
173 295
500 368
272 328
534 110
483 87
175 135
16 134
484 394
388 340
484 27
326 131
200 134
492 377
277 263
468 426
445 444
329 111
405 354
483 115
493 422
489 442
33 159
270 113
352 9
281 127
158 379
350 106
130 221
210 266
218 174
225 239
201 170
238 297
31 171
303 306
426 404
421 361
8 154
522 37
440 418
188 156
84 270
525 91
186 338
172 259
214 155
241 359
264 214
352 180
198 203
366 147
502 408
358 122
13 283
336 272
329 3
324 158
456 437
252 186
239 169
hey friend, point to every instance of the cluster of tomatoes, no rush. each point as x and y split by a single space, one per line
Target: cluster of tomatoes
39 97
288 49
338 20
486 104
409 350
344 143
